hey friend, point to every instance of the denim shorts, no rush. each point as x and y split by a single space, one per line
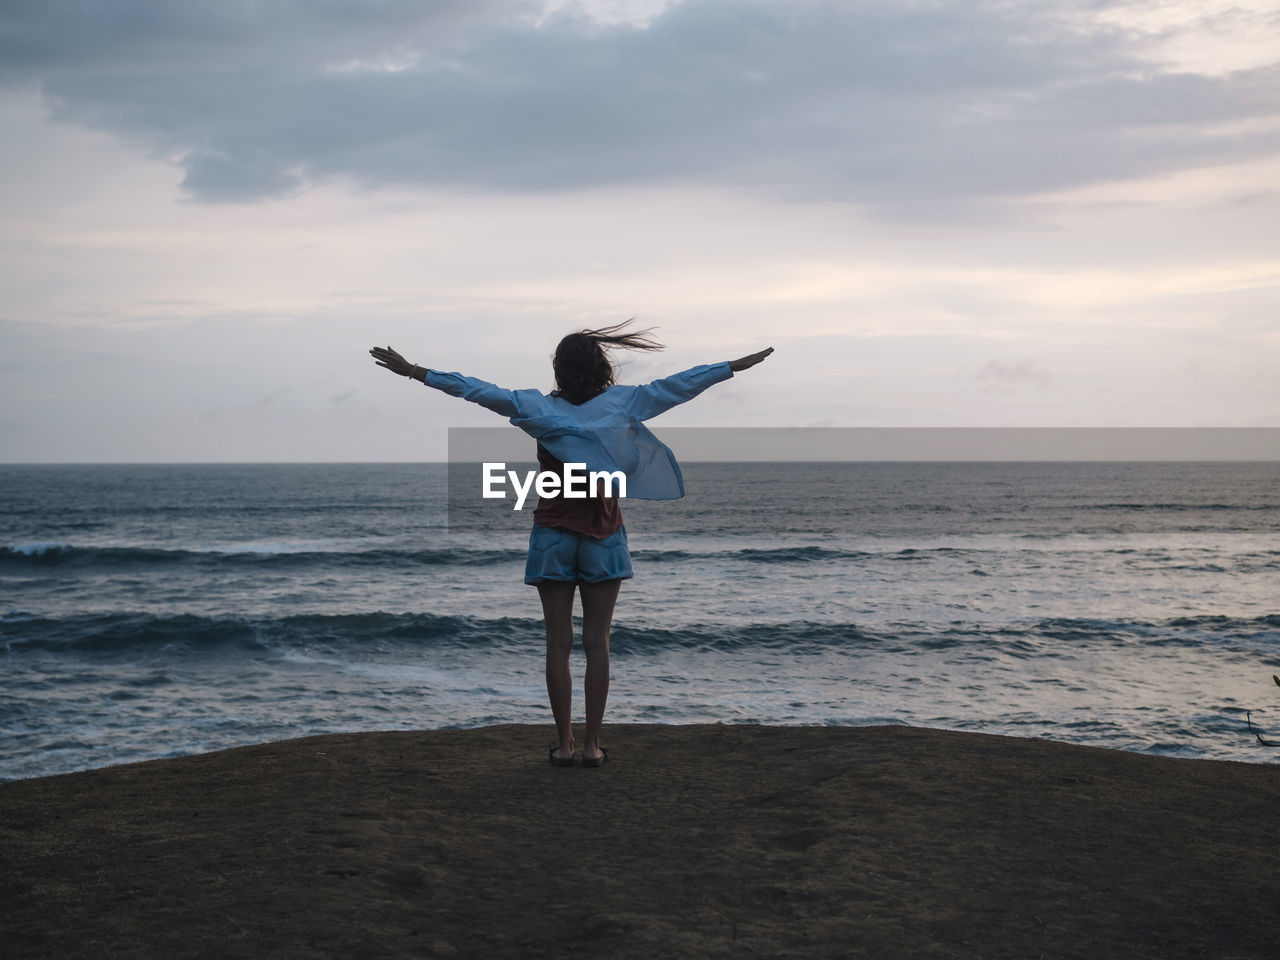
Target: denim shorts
558 554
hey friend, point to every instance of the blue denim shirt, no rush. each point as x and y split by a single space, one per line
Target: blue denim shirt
607 432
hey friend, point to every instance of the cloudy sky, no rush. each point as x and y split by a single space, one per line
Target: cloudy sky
940 214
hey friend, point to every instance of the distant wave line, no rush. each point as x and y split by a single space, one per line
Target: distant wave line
372 634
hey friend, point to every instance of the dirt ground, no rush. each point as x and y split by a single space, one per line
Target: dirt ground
693 841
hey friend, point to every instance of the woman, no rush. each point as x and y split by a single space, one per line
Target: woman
581 543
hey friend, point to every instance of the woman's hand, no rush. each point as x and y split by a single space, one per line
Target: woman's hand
388 358
742 363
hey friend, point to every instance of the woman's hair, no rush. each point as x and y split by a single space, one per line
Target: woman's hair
581 362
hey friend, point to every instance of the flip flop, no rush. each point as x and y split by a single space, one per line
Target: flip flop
560 761
599 761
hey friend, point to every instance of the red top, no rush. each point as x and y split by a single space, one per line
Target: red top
596 517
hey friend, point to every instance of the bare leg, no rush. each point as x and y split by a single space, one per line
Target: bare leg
557 610
598 600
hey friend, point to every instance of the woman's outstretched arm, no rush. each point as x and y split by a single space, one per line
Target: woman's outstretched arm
487 395
651 399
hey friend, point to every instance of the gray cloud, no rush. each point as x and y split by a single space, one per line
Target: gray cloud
169 37
999 375
903 107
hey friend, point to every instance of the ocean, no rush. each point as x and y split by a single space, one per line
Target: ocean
158 610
